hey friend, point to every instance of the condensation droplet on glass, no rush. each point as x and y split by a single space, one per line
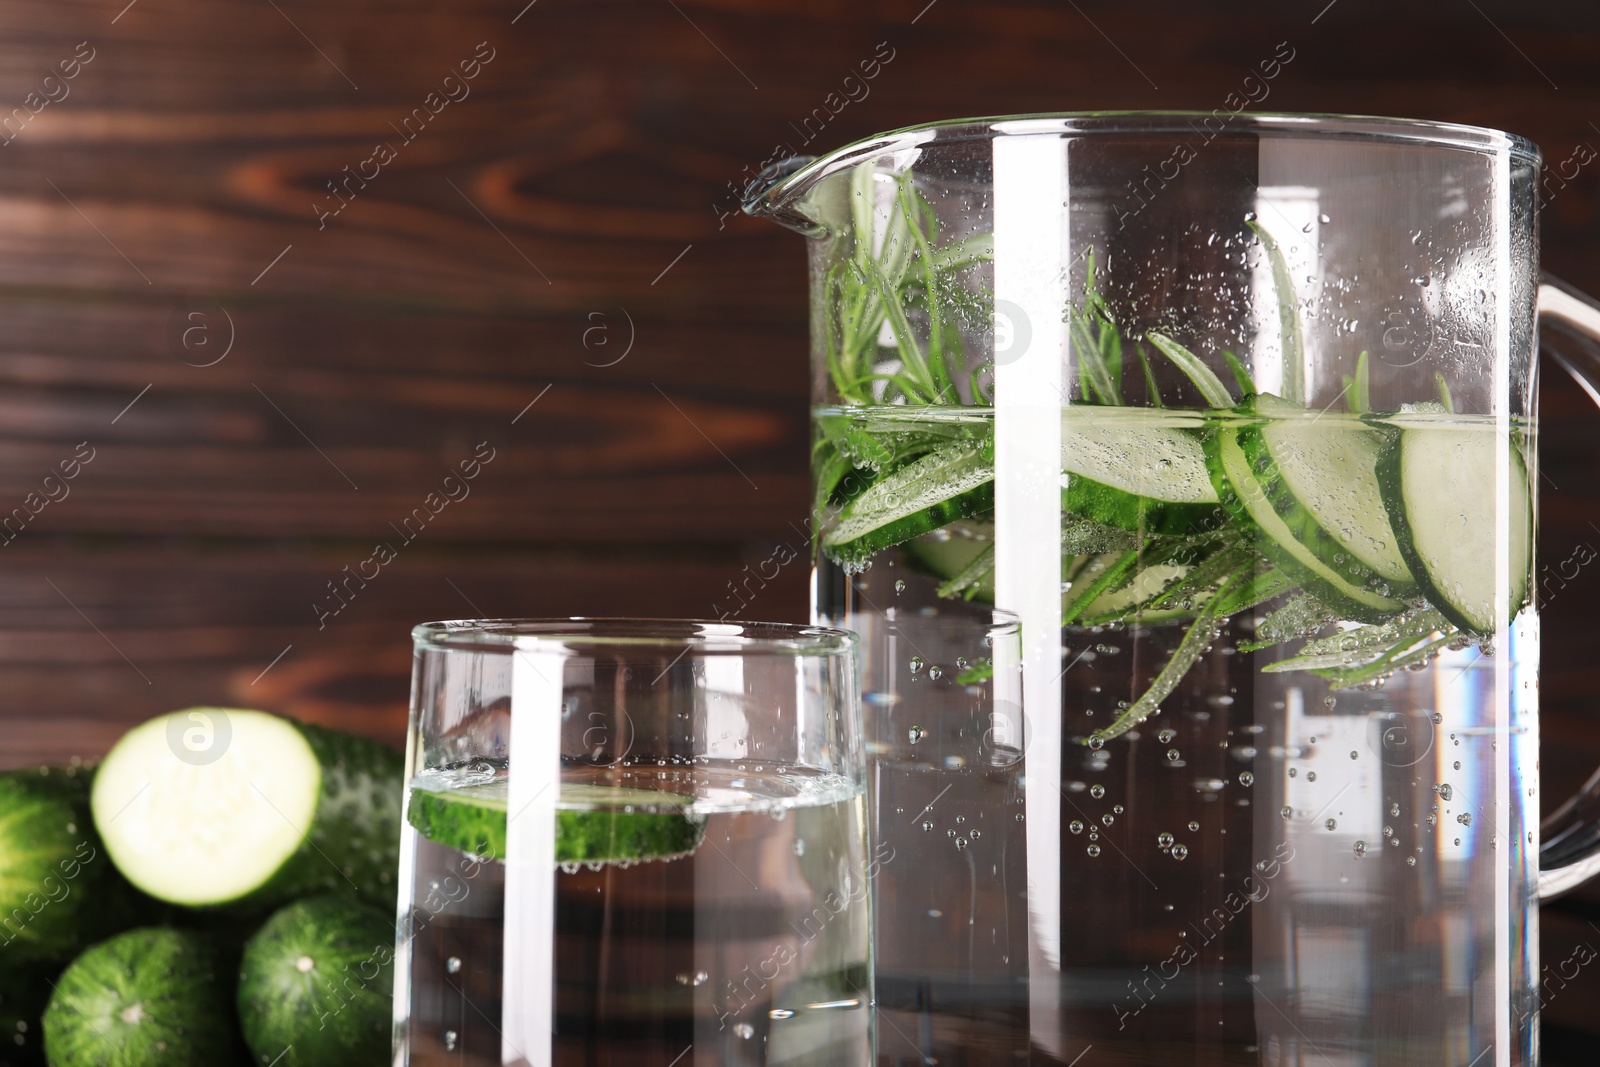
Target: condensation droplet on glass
453 965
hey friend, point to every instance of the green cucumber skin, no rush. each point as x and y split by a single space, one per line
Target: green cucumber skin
978 500
59 891
581 836
353 847
169 981
1233 501
1145 515
338 1013
1389 481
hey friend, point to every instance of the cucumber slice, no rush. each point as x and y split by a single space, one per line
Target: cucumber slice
318 980
58 891
961 555
1440 484
1321 473
1244 496
1149 478
1124 604
955 482
285 809
594 823
145 998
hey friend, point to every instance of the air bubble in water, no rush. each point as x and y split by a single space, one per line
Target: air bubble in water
1311 776
1464 819
1076 826
1437 718
1108 819
1354 754
961 844
1394 809
915 734
1293 772
799 846
1164 840
1286 811
1093 851
453 965
935 673
1332 824
450 1039
899 585
1411 861
1246 778
1174 755
695 979
1165 736
916 664
1361 848
1180 851
780 1013
1444 790
1194 826
926 826
1097 791
744 1030
1097 742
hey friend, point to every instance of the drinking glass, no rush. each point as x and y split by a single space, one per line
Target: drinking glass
1238 415
634 842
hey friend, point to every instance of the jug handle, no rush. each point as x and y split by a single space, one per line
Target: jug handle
1570 852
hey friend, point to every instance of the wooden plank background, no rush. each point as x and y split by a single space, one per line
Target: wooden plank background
264 393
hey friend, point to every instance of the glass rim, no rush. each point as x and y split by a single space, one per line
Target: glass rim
701 636
1372 129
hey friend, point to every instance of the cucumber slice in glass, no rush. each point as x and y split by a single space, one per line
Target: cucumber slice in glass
1453 489
1320 470
594 823
1135 473
955 482
1243 494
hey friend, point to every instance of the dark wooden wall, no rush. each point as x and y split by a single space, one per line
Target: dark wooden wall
558 237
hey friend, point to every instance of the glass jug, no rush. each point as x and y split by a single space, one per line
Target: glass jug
1237 414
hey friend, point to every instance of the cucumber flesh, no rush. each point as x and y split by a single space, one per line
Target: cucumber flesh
285 809
1441 487
594 824
1321 469
1135 475
318 978
145 998
952 483
1244 495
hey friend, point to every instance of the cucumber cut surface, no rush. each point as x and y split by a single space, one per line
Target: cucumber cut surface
145 998
215 806
594 824
952 483
1453 492
1136 474
1244 495
316 985
1320 469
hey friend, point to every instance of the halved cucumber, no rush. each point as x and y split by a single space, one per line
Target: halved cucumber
1450 505
1149 478
216 806
1243 494
955 482
317 982
1320 471
594 823
145 998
